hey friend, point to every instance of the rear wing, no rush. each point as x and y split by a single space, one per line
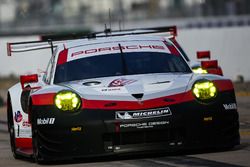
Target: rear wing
17 47
172 30
52 41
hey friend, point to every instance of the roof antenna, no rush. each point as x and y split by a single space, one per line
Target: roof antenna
107 31
109 19
121 15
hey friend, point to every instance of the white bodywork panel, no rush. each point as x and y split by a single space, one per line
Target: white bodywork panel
20 118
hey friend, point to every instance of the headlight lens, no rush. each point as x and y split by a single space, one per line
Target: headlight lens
199 70
67 101
204 90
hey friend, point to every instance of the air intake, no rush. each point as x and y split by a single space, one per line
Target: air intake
138 95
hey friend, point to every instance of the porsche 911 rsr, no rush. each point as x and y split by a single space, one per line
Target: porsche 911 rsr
120 94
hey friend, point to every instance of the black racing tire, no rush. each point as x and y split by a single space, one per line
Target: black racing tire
11 130
35 141
35 144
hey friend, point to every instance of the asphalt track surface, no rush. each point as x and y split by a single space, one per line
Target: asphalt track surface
236 157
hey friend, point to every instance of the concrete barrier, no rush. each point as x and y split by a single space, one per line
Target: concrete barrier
229 45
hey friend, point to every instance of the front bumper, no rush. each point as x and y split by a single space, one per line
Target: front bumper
89 133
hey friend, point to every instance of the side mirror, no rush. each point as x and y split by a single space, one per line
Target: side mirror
203 54
209 64
26 79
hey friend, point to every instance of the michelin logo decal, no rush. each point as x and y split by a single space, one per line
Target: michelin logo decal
142 113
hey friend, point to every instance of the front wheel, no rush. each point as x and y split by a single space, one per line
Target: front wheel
35 144
35 141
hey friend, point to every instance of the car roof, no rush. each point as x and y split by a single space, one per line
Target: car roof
110 39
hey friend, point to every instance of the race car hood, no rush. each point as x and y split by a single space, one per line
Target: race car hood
131 87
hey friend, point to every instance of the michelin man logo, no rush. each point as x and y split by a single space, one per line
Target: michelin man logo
124 116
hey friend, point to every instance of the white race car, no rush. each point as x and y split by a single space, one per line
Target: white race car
118 93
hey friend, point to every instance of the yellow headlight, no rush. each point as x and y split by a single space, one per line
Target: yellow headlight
204 90
67 101
199 70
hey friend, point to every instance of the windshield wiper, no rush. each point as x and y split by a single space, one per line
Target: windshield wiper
124 65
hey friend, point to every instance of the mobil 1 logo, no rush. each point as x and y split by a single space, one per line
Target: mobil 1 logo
45 121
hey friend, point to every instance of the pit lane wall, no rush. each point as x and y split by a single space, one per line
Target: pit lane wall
230 45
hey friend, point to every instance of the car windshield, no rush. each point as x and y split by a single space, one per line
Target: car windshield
118 64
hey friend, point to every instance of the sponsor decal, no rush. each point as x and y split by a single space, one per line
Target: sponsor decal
18 116
26 124
45 121
206 119
144 125
143 113
121 82
76 129
231 106
115 48
24 133
110 89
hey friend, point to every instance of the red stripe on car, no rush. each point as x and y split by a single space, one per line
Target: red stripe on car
48 99
224 85
172 49
23 142
43 99
62 58
136 105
